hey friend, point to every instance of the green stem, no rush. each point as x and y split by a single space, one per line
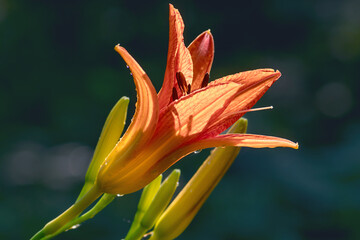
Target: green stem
67 216
85 189
100 205
137 233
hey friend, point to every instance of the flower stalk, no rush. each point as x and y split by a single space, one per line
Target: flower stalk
71 213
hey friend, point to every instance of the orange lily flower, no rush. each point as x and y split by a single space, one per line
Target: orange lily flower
187 114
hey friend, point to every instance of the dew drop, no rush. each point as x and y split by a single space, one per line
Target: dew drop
119 195
131 73
127 66
197 151
73 227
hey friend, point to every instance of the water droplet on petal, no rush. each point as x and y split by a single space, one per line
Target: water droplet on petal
131 73
119 195
127 66
197 151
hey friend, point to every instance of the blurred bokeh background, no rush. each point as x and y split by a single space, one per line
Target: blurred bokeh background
59 78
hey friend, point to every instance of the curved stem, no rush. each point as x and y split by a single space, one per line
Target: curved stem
71 213
100 205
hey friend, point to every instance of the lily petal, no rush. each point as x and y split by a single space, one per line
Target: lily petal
198 112
183 61
202 54
256 83
142 126
178 59
245 140
238 140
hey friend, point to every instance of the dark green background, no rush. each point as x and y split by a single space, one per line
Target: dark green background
60 77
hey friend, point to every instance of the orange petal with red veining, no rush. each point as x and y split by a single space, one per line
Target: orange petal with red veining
255 84
197 112
143 123
178 59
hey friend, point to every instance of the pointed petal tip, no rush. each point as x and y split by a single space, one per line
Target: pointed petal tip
171 7
207 33
119 48
278 72
275 73
290 144
270 70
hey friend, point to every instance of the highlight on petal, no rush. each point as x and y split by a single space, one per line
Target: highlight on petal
141 127
110 135
202 54
187 203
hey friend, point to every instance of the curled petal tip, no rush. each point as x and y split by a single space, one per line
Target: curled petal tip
290 144
118 48
278 72
171 7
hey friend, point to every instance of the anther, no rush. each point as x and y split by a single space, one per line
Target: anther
205 80
188 88
174 94
181 82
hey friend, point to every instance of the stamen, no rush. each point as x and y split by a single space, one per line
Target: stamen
259 109
188 88
174 94
248 110
205 80
181 82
